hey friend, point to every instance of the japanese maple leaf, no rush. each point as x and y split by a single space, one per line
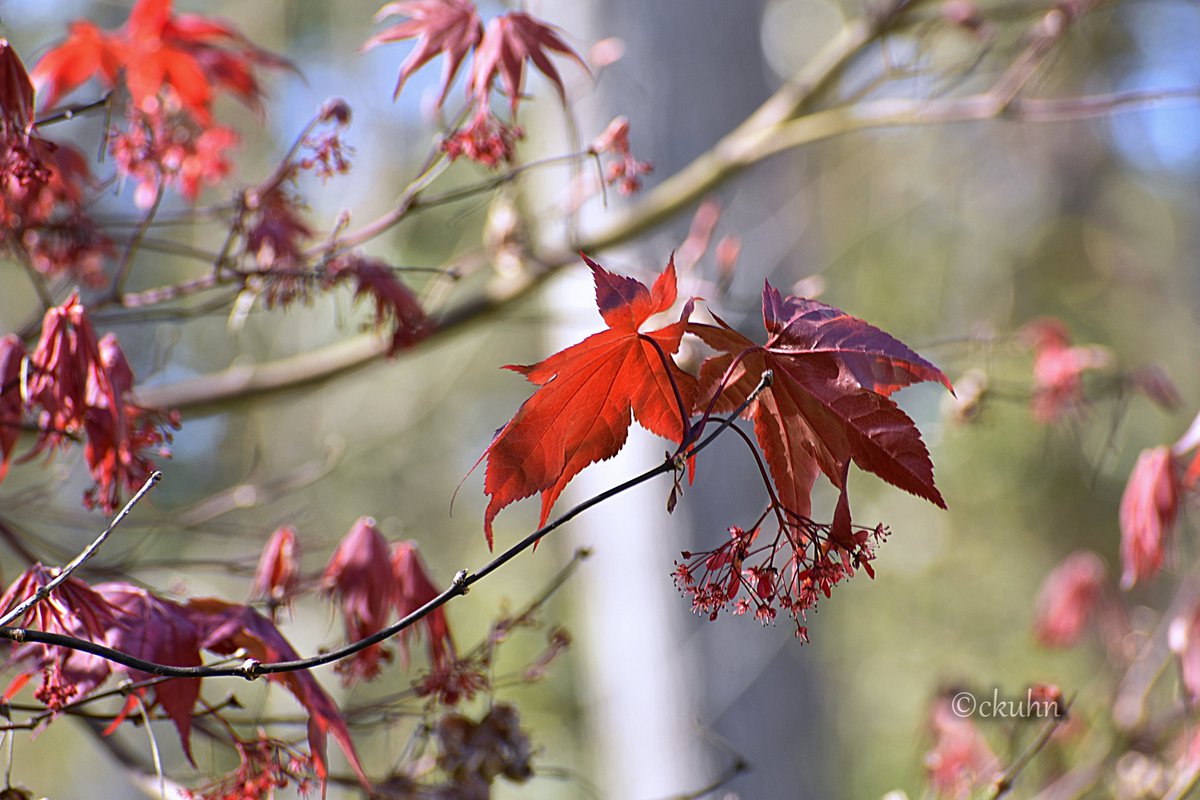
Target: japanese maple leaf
12 405
828 404
580 413
359 577
16 96
509 41
393 301
189 54
228 628
87 52
449 27
157 630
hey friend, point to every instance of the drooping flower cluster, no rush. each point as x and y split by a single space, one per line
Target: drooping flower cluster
453 29
77 387
790 573
1149 508
368 582
264 765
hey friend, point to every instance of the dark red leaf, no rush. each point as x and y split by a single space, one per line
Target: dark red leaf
227 628
16 95
828 405
580 413
157 630
359 577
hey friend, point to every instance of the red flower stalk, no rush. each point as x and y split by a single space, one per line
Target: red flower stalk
264 765
625 171
1068 599
277 579
359 578
1149 508
790 573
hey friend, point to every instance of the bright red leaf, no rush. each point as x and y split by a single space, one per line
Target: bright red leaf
189 55
580 413
448 27
228 628
829 402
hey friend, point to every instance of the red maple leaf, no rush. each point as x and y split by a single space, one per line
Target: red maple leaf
157 630
228 628
188 54
87 52
828 404
580 413
449 27
509 41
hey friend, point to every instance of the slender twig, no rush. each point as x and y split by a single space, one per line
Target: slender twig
45 591
70 112
1004 782
126 265
251 668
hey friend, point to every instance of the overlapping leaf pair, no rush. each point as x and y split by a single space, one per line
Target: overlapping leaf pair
829 406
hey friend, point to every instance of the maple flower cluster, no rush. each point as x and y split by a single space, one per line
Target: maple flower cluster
790 573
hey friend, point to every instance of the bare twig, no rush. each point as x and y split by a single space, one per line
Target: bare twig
45 591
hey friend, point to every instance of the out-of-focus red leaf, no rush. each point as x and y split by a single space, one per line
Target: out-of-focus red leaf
448 27
190 55
393 300
88 52
508 42
359 577
412 589
226 628
1068 599
829 403
16 95
961 761
278 575
1058 368
1149 508
580 413
157 630
12 407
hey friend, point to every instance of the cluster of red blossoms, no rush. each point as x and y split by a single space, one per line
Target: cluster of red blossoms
790 573
264 765
76 387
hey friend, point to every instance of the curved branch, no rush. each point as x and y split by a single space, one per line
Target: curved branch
252 669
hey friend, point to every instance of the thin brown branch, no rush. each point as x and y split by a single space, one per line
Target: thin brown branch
45 591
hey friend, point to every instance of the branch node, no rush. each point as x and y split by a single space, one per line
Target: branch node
250 669
460 581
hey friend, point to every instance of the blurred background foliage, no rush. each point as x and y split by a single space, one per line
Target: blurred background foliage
949 237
